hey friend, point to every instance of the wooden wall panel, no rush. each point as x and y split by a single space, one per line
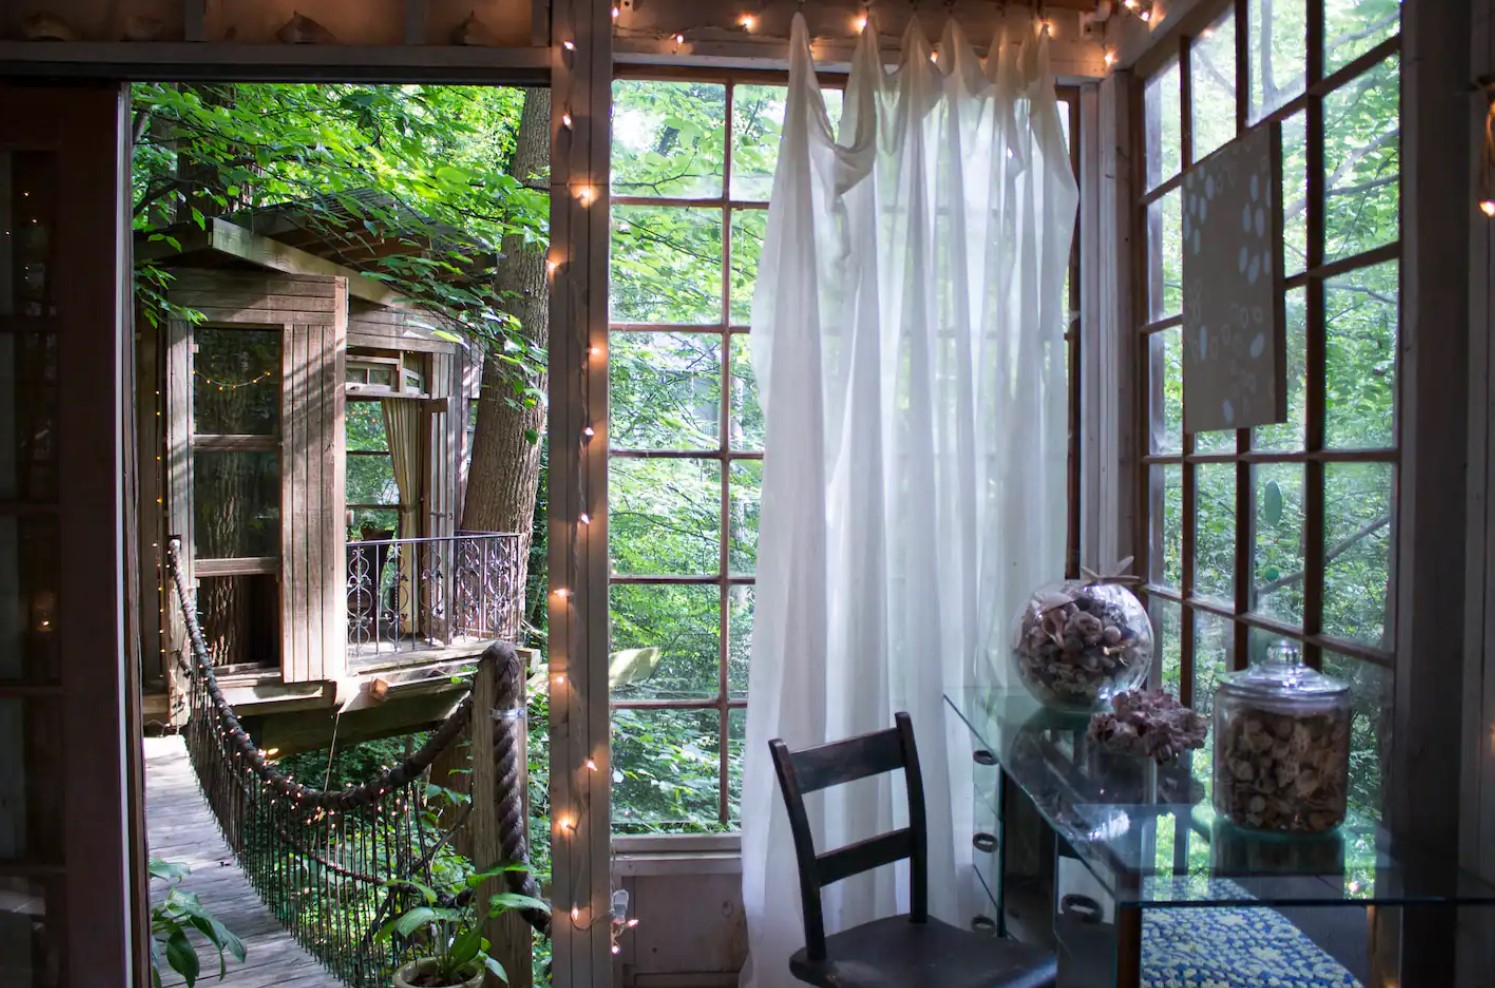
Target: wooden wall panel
177 485
312 313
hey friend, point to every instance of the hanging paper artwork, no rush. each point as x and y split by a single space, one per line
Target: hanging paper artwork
1233 336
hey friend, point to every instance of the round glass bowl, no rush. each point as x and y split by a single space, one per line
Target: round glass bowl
1078 643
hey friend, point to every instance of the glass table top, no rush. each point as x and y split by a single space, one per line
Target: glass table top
1150 835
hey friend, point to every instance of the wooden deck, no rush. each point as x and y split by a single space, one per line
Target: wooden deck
181 828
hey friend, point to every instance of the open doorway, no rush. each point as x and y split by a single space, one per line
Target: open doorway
341 303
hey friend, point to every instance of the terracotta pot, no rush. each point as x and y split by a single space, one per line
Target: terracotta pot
405 976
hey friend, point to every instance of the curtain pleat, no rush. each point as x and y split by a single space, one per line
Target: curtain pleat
908 338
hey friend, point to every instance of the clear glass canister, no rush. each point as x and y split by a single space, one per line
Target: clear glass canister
1282 746
1078 643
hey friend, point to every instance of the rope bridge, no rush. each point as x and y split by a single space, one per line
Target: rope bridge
331 864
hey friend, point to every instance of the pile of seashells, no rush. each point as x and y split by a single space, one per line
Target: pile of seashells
1150 723
1079 642
1282 771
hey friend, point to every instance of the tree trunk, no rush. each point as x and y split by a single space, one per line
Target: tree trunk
504 474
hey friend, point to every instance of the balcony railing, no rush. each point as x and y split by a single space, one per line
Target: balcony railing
415 595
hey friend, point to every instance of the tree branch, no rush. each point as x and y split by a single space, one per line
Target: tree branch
1335 551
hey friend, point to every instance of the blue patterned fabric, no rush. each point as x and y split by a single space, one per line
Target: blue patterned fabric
1233 947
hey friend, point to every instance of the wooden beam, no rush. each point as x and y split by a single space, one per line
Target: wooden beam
235 241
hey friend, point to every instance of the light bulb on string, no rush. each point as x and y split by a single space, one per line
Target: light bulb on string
586 195
566 120
568 45
1110 57
584 518
616 11
588 432
748 22
1487 207
860 23
591 765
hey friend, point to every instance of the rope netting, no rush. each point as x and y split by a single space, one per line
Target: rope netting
331 863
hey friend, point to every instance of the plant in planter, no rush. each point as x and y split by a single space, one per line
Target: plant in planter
173 921
448 927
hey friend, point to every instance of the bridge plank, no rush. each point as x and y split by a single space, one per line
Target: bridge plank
180 827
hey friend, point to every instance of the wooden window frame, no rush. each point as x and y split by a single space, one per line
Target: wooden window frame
724 328
1315 453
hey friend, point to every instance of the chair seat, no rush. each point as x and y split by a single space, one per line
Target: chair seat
895 953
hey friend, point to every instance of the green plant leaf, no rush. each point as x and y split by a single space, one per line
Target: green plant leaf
496 968
181 956
1271 502
505 901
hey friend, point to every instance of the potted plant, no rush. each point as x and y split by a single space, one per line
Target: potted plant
449 928
173 922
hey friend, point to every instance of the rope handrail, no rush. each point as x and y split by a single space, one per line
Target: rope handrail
239 740
332 864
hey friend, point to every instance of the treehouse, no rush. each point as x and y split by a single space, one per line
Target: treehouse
310 434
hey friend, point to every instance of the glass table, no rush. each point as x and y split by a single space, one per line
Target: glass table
1143 838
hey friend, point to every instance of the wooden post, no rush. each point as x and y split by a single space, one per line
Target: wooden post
509 935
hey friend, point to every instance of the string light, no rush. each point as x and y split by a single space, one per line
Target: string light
1110 57
568 45
748 22
588 432
679 39
591 765
566 120
552 266
231 385
584 518
563 593
585 195
575 914
860 22
1487 207
616 12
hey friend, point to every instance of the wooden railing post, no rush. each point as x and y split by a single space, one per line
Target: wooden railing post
498 705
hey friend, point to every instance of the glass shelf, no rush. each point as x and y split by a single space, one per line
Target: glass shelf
1149 835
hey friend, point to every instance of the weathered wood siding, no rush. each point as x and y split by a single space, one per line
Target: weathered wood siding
311 313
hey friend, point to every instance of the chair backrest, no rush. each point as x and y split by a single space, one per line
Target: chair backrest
813 769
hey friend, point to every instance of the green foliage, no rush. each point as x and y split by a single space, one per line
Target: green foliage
449 923
421 167
180 918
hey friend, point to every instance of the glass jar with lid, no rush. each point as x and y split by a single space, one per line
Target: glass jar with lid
1282 746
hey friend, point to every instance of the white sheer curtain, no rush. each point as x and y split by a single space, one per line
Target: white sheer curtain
908 332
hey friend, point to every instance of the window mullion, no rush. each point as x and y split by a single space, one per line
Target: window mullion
1316 360
1190 506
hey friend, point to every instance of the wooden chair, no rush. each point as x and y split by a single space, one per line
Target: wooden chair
909 951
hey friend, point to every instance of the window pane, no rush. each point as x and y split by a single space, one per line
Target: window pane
1360 319
28 411
1212 72
30 574
1354 27
1214 648
664 517
740 602
1370 730
1278 561
28 204
240 618
1166 644
1358 503
666 265
1361 162
365 426
748 229
236 504
30 780
757 121
747 414
371 479
1294 194
370 524
665 390
1167 482
1164 130
1165 256
1214 536
742 526
683 623
666 769
1278 43
236 382
736 745
668 139
1290 436
28 933
1166 375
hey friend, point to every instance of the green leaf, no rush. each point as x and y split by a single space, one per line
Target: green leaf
496 968
413 920
181 956
466 946
1271 502
505 901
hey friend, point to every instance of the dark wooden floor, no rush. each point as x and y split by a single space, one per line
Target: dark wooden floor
181 828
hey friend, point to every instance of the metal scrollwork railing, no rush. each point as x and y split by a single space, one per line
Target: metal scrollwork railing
407 595
330 863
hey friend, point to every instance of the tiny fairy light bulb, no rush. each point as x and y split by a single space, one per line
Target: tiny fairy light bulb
575 914
616 11
568 45
559 679
552 266
585 195
589 432
584 518
566 120
563 593
860 22
748 22
1487 207
1110 57
679 39
591 764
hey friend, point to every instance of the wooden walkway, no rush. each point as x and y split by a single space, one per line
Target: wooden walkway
181 828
